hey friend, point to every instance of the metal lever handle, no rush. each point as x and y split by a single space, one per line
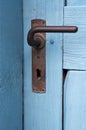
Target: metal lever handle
50 29
37 39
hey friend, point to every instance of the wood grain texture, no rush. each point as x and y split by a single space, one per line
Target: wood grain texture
75 44
76 2
11 50
44 111
75 101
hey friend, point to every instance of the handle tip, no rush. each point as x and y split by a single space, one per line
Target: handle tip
75 29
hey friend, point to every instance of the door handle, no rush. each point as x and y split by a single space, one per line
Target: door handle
36 42
37 38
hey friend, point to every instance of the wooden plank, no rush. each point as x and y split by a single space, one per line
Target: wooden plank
76 2
75 101
11 50
44 111
75 44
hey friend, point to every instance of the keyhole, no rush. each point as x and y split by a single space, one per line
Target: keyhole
38 72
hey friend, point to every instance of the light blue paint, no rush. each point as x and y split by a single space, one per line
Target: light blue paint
76 2
44 111
11 52
75 101
75 58
75 44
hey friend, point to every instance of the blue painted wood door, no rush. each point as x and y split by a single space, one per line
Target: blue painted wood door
75 61
63 51
44 111
11 55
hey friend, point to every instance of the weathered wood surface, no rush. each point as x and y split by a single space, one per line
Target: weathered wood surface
75 44
75 58
11 53
44 111
76 2
75 101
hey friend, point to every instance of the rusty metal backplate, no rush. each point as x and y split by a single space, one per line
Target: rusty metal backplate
39 61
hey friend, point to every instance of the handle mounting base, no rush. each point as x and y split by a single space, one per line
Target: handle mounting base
39 59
